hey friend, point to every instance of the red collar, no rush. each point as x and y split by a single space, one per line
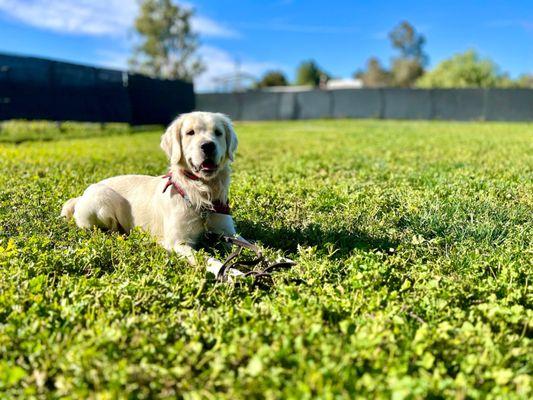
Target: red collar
190 175
218 206
178 188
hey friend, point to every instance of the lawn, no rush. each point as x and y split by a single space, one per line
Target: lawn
414 251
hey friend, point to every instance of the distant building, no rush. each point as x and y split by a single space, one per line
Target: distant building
331 84
347 83
284 89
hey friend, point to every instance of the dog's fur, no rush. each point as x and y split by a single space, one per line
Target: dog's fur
123 202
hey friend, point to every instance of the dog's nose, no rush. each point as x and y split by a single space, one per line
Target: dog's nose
208 147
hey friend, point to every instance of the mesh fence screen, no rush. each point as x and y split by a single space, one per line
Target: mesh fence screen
34 88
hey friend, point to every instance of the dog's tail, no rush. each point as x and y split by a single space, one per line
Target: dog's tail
68 208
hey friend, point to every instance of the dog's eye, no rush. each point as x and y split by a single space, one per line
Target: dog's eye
218 132
190 133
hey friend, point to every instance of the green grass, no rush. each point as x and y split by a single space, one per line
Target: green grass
18 131
413 240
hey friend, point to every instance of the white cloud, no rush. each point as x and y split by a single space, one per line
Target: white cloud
84 17
297 28
115 18
208 27
113 59
512 23
93 17
220 63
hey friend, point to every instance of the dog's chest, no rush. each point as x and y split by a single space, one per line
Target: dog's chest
195 222
184 224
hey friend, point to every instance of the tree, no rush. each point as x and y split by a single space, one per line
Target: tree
309 73
464 70
410 43
407 68
525 81
272 78
374 75
167 44
405 72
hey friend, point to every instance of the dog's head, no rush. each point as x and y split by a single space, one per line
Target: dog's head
201 142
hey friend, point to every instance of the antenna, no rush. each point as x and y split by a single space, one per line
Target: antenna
236 81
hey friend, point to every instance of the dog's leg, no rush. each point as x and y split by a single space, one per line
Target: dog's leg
213 265
100 206
68 208
186 252
223 224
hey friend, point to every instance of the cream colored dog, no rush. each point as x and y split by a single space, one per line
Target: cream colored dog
179 207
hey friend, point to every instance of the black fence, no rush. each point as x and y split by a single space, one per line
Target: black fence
34 88
439 104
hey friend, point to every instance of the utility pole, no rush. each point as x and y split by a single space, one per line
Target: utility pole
234 82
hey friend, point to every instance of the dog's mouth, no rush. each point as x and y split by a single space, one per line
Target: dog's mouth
207 167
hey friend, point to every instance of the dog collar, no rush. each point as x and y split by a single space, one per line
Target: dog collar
190 175
218 206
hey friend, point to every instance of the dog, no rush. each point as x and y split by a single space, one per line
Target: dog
177 208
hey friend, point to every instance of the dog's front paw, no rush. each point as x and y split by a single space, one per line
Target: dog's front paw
214 266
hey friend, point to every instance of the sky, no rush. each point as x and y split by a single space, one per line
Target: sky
340 35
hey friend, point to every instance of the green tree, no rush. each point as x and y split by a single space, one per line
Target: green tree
375 75
272 78
524 81
406 68
167 47
466 69
409 66
410 43
309 73
405 72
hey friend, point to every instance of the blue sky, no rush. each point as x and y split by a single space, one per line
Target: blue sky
278 34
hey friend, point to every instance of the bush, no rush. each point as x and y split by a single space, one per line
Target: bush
462 71
273 78
309 73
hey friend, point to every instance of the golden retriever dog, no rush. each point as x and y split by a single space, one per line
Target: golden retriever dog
176 208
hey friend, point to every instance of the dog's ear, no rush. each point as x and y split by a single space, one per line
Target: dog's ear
231 136
171 140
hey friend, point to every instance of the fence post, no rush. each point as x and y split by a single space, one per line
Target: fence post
431 104
331 104
382 103
485 104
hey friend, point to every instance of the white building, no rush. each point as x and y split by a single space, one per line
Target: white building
347 83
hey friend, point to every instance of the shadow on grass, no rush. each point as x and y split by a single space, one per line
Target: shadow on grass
288 239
